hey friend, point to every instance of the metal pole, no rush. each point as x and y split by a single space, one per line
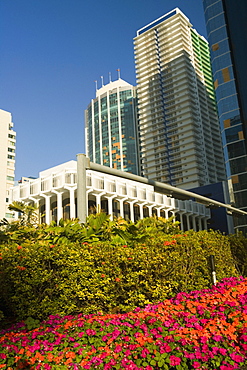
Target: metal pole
82 165
166 188
212 267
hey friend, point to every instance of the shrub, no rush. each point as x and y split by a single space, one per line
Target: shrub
238 245
39 279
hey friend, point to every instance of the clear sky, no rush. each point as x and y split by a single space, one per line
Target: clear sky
52 51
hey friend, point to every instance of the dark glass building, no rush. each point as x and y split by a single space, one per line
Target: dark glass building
227 36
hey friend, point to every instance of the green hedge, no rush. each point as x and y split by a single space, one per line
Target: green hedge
41 279
238 244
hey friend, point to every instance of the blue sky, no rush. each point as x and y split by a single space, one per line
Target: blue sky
52 51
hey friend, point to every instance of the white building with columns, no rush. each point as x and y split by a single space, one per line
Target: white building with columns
56 195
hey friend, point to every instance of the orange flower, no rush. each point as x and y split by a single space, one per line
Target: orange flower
70 355
50 357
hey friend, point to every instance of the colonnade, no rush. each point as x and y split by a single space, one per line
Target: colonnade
56 197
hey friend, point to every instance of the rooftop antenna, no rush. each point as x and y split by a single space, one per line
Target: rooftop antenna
96 84
102 81
109 76
118 72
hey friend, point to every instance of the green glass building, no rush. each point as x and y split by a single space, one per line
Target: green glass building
111 127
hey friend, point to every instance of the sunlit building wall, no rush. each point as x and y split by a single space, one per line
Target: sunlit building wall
110 125
7 162
178 123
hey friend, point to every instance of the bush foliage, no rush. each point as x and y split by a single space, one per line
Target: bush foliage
39 278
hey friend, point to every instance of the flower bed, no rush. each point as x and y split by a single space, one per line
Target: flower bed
204 329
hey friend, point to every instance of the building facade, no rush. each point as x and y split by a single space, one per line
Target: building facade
178 123
7 162
55 193
227 36
110 127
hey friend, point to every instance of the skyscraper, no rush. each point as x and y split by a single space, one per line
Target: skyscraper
178 124
7 161
110 124
227 36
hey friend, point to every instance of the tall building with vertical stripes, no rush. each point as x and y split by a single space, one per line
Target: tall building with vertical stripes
227 36
7 162
111 128
180 140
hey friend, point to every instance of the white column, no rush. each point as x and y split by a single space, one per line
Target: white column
82 164
47 209
72 203
181 221
110 207
98 202
121 202
194 222
158 212
141 210
59 206
132 217
200 223
188 222
150 211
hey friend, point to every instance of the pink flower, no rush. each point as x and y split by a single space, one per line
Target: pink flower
90 332
174 360
237 358
118 349
196 365
144 353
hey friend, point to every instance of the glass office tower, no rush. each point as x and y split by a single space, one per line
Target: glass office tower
110 125
227 36
177 114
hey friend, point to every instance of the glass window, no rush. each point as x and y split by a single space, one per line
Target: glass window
238 165
236 149
234 134
10 178
240 182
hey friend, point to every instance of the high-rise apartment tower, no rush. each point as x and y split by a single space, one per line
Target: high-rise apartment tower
178 123
110 125
227 36
7 162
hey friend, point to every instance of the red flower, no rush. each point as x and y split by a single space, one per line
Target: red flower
167 243
21 268
118 279
19 247
103 275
